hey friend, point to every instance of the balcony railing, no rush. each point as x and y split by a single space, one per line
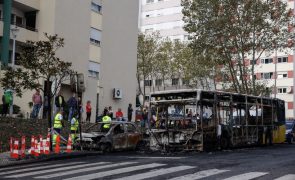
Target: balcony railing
22 26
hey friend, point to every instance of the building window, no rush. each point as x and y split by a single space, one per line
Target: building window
95 36
12 19
282 75
282 59
175 81
266 61
148 82
93 69
266 75
95 7
282 90
19 21
159 82
147 98
149 1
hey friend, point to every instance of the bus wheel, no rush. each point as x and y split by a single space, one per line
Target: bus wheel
224 143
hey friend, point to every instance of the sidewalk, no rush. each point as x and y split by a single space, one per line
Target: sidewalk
5 159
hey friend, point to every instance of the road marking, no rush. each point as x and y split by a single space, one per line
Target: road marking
143 157
115 171
22 166
53 170
38 168
82 170
247 176
159 172
287 177
200 174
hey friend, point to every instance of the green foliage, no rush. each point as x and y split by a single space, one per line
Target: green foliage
233 31
38 63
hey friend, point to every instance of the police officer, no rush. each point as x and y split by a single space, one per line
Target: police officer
74 127
107 122
58 125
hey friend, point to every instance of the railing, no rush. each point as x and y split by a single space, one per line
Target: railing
22 26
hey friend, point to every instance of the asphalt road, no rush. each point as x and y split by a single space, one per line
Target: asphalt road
263 163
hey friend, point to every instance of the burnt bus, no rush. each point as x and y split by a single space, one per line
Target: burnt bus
205 120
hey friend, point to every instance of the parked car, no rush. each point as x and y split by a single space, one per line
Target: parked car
290 131
121 135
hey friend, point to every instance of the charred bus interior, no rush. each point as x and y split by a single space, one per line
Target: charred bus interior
205 120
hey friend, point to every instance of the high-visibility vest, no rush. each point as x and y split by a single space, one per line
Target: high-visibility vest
57 121
75 126
107 122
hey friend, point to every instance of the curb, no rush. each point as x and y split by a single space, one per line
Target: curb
51 158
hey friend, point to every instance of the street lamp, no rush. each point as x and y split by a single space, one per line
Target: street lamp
14 32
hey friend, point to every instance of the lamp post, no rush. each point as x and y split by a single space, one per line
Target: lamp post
14 32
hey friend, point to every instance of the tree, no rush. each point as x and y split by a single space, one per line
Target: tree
238 32
38 64
146 55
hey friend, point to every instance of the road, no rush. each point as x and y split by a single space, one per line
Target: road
263 163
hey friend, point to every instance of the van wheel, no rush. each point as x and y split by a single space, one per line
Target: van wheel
141 146
106 148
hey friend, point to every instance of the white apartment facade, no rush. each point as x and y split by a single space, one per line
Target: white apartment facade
165 16
82 24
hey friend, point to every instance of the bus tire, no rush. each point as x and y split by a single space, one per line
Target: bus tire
224 143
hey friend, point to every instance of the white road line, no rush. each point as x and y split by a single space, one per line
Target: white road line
287 177
200 174
22 166
82 170
53 170
143 157
38 168
115 171
159 172
247 176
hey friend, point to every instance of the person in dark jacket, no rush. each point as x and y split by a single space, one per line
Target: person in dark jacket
59 102
72 104
5 106
130 111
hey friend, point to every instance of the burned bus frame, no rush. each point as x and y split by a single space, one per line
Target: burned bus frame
236 120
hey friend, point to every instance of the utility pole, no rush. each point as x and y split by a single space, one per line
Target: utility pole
293 68
7 4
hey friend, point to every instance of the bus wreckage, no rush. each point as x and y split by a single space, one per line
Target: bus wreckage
206 120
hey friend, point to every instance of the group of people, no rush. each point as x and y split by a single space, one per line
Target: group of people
73 105
119 116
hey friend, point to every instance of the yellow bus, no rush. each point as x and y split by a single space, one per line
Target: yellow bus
195 119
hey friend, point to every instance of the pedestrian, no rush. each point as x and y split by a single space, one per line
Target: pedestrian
80 106
5 104
58 125
37 103
130 111
106 123
105 111
88 111
72 104
110 112
59 102
144 118
74 126
119 115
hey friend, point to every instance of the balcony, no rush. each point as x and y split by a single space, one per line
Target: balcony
24 34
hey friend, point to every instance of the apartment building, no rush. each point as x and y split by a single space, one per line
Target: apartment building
165 16
90 29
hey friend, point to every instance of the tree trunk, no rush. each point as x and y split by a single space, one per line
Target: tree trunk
49 110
